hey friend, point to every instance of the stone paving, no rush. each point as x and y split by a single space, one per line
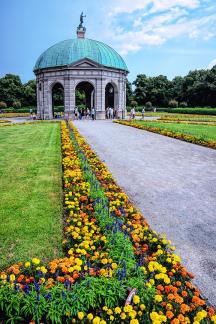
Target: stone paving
174 185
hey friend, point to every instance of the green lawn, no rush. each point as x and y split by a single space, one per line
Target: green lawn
204 132
188 117
30 192
172 116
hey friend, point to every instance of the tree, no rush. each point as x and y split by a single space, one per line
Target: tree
29 93
141 84
129 92
10 89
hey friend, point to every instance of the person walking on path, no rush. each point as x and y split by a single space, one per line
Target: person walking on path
76 113
111 113
133 112
93 113
87 113
143 113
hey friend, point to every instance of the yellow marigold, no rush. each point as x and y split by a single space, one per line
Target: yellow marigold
78 262
3 276
102 322
12 277
112 318
90 316
132 314
109 312
136 299
158 298
27 264
117 310
80 315
96 320
123 315
35 261
142 307
134 321
114 266
128 308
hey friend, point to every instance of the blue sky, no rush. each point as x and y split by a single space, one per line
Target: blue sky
169 37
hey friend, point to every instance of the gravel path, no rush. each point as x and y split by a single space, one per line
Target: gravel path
174 185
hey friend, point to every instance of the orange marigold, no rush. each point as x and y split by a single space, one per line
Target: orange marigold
169 314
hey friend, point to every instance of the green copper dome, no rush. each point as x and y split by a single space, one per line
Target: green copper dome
73 50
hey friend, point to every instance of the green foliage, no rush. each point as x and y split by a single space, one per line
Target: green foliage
58 95
148 104
12 90
198 111
134 103
17 104
173 104
183 104
198 88
80 98
3 104
129 92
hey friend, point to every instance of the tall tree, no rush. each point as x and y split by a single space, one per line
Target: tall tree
11 89
129 92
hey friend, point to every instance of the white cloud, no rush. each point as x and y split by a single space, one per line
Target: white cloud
211 64
156 22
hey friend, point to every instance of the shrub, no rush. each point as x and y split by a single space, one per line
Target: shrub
17 104
148 104
3 104
133 103
183 104
195 111
173 104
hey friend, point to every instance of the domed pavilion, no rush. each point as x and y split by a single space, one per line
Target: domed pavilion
86 65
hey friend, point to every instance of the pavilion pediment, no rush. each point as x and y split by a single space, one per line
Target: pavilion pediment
85 63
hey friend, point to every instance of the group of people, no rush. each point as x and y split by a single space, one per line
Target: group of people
110 113
133 113
84 113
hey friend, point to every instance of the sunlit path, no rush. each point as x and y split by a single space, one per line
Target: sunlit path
172 182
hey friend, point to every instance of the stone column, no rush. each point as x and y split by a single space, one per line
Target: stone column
100 98
39 99
69 96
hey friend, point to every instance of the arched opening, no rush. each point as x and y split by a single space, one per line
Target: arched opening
111 97
57 100
85 97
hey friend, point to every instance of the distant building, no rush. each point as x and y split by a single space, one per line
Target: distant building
84 64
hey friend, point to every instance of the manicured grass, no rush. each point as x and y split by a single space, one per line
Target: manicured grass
186 117
30 192
204 132
171 116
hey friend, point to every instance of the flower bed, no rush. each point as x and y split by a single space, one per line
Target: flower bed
11 115
116 269
169 133
4 121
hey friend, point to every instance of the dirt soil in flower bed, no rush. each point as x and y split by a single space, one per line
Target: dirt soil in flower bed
172 182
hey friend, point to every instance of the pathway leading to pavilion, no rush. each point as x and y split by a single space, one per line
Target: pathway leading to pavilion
174 185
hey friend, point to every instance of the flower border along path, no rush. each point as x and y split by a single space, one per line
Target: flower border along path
176 299
169 133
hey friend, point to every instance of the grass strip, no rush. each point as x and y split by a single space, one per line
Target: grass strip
196 134
31 194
